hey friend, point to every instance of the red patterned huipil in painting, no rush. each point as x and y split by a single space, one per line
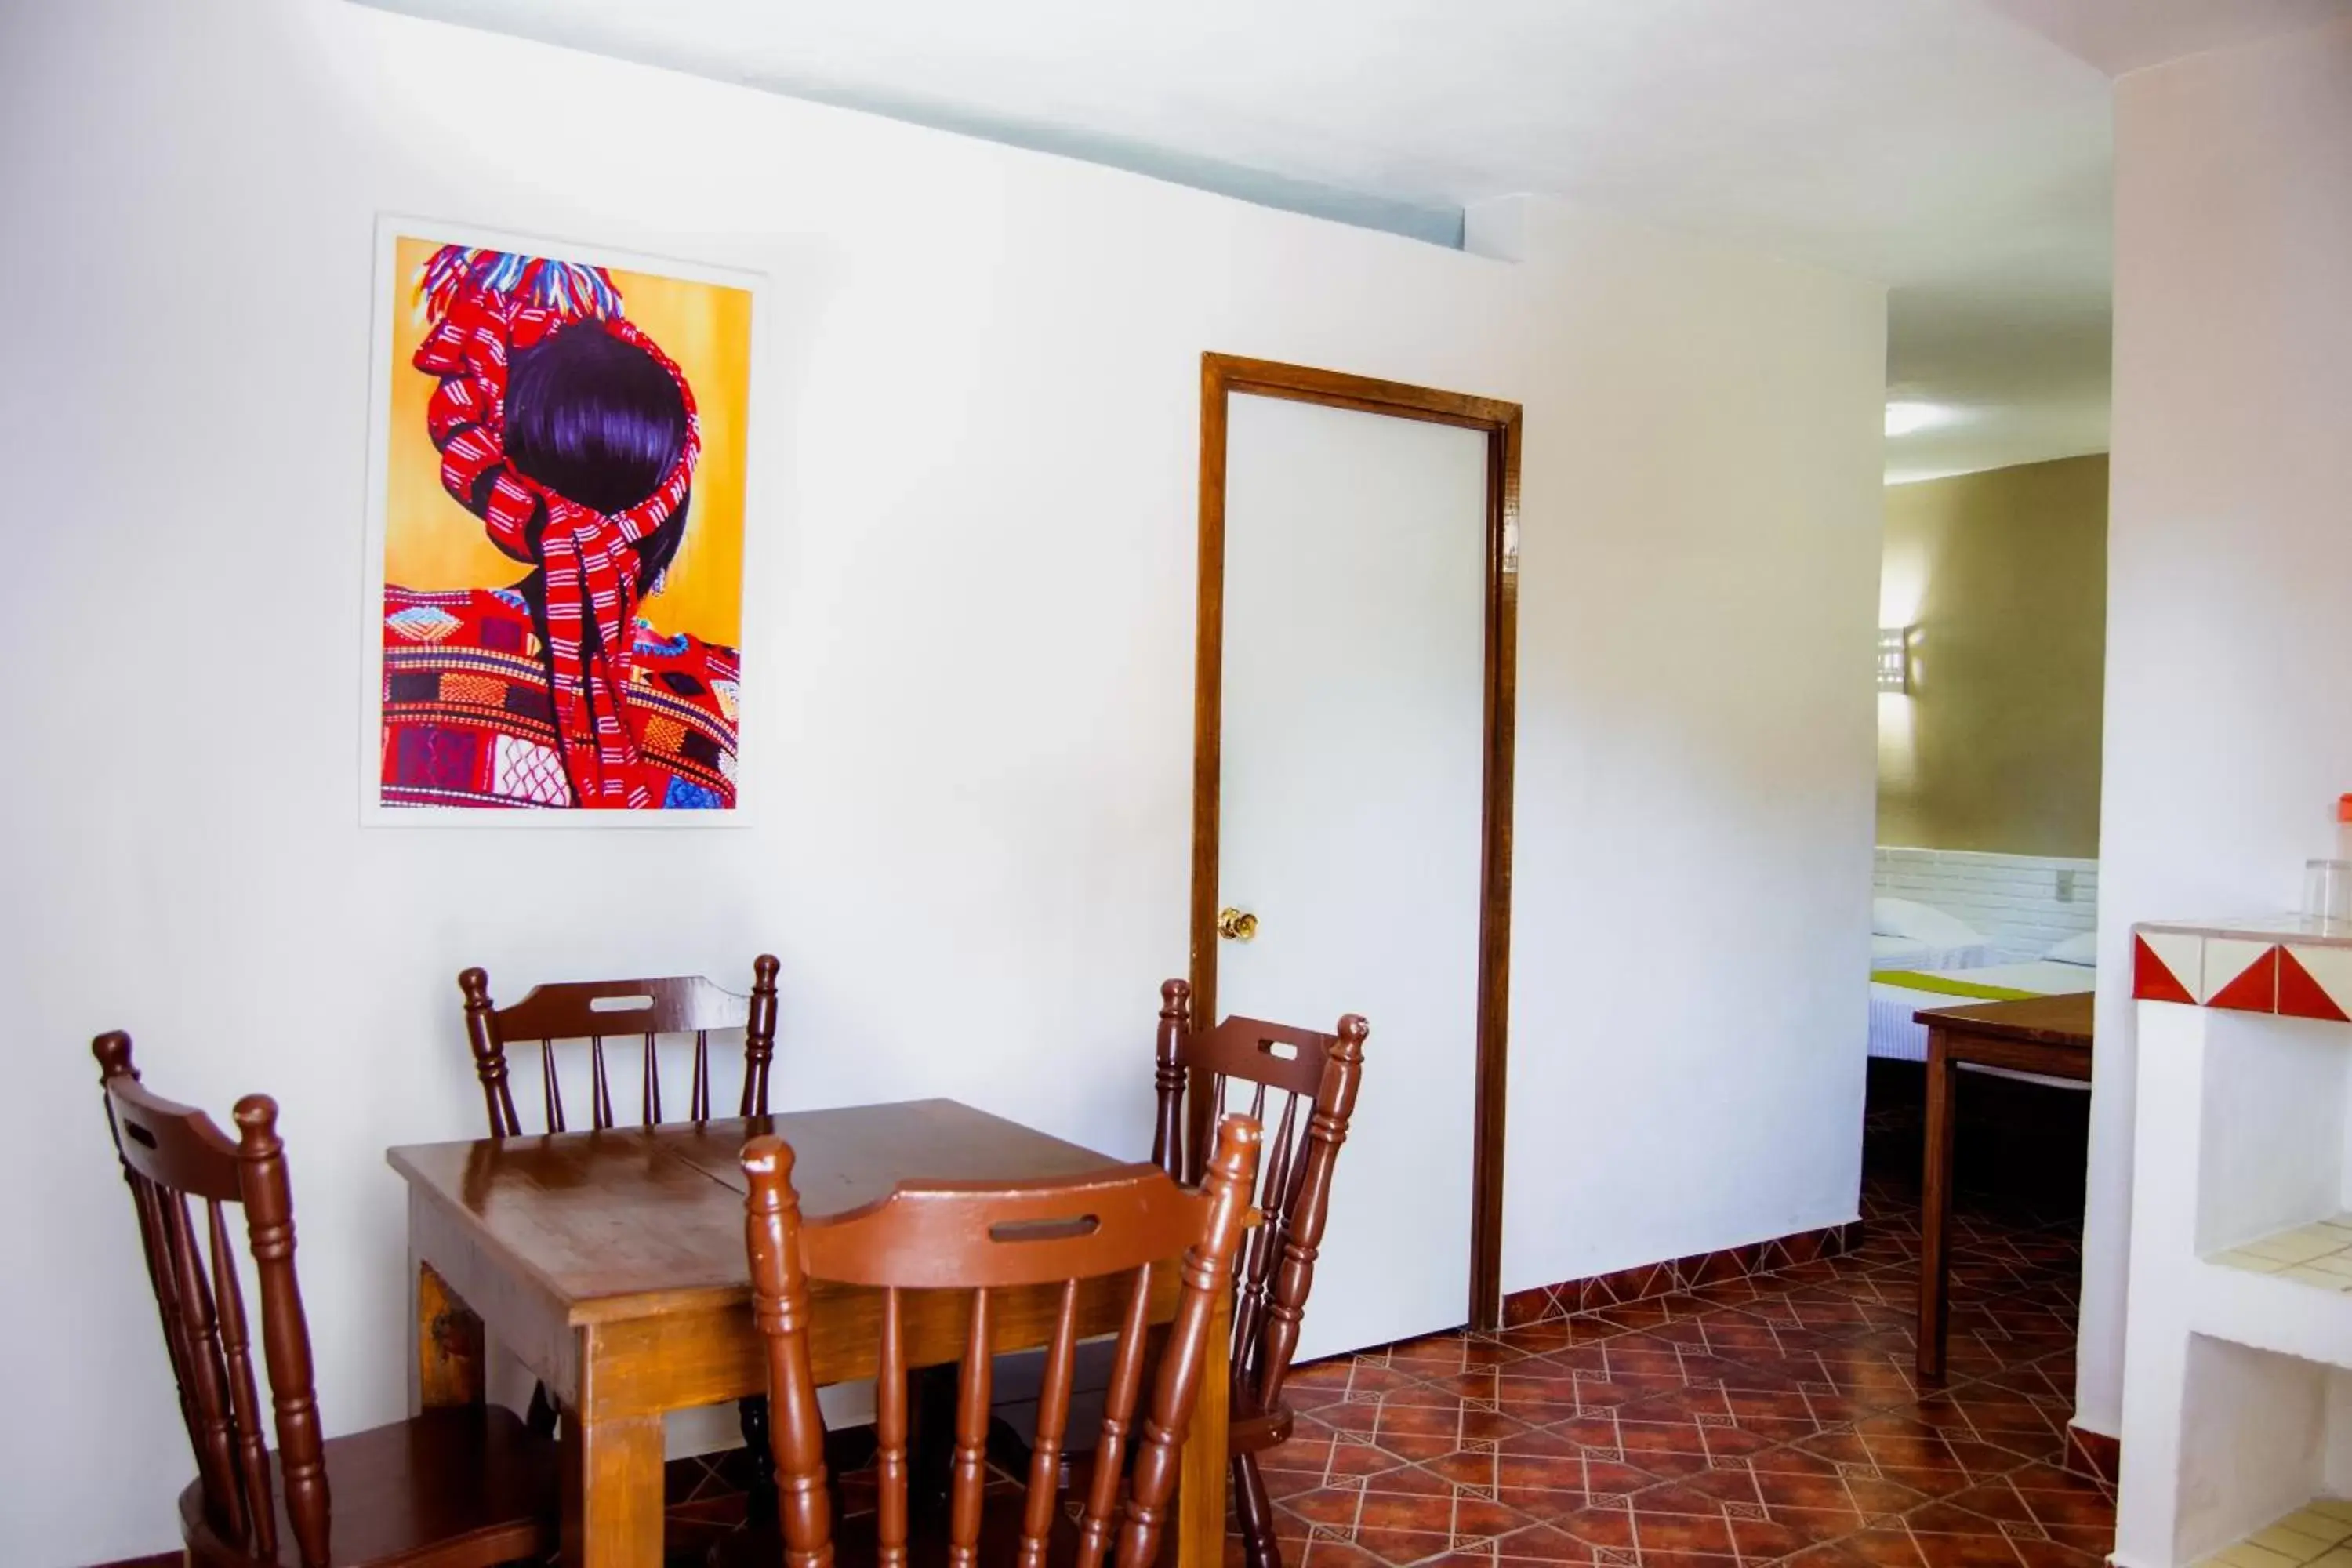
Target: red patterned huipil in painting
468 719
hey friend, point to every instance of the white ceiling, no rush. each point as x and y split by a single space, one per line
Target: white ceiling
2119 36
1958 151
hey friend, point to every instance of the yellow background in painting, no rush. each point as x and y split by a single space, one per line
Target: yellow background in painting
431 542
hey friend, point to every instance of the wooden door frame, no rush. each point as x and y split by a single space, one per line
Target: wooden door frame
1221 375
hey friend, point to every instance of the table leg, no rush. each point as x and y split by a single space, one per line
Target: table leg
448 1346
1935 1208
612 1492
1200 1484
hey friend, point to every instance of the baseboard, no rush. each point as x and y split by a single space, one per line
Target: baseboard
2093 1453
1546 1302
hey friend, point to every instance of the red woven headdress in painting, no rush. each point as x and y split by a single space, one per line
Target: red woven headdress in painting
485 305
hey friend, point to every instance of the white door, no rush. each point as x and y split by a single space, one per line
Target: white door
1354 676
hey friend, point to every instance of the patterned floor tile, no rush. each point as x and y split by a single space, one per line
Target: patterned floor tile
1764 1419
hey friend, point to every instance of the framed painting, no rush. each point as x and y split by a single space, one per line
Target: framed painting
557 479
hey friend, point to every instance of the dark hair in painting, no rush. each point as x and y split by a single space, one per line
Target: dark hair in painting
600 422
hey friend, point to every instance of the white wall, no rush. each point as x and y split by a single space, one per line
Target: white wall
1689 730
2229 722
970 645
2023 904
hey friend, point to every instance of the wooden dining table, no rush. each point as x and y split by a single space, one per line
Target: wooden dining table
612 1264
2046 1036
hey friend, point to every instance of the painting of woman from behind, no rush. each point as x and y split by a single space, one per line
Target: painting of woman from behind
565 439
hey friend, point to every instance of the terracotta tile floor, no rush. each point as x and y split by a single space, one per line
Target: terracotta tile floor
1765 1420
1757 1421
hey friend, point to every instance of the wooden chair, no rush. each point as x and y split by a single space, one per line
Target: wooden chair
594 1011
954 1236
451 1488
598 1010
1277 1265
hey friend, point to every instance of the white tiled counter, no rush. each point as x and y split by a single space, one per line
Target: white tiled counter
2319 1535
2286 964
2319 1254
2237 1397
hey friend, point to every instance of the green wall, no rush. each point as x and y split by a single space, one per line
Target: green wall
2004 574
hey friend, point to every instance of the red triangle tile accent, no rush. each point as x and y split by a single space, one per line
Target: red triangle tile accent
2254 991
2301 996
2151 980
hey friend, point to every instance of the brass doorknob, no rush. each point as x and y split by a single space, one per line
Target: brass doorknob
1236 925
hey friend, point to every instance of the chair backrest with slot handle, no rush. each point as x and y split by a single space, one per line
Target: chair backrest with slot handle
597 1010
1074 1232
173 1156
1313 1077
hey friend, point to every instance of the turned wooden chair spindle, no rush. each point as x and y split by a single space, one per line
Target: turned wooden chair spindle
594 1011
457 1489
1195 1073
1072 1232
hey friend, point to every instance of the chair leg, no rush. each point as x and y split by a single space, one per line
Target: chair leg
753 1414
1255 1514
541 1417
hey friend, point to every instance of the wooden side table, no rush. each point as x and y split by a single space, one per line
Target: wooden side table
2045 1034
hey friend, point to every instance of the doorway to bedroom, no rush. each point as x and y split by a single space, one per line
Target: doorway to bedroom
1986 877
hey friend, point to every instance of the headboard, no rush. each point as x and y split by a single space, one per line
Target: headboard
2023 903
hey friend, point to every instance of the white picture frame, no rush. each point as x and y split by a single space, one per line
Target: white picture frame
391 293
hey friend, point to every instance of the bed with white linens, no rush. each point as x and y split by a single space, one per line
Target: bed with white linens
1895 1034
1905 934
1899 1035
